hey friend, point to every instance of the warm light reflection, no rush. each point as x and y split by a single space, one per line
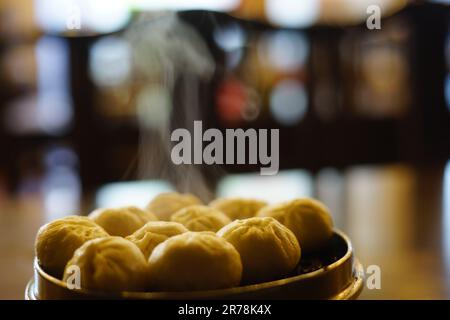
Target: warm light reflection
383 87
19 65
380 206
137 193
330 190
355 11
303 13
288 184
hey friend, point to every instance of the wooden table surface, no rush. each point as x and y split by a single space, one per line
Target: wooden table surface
397 217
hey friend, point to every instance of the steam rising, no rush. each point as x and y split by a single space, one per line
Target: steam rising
171 60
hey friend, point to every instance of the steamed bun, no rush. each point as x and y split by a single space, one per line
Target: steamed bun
109 264
238 208
121 221
268 249
153 233
308 219
201 218
56 241
166 204
194 261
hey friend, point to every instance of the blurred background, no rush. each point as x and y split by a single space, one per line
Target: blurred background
91 90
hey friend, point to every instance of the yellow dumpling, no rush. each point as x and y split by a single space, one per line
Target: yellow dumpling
166 204
153 233
201 218
108 264
121 221
56 241
268 249
238 208
148 215
308 219
194 261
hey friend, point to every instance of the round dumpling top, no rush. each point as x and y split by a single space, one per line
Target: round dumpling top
153 233
201 218
121 221
308 219
166 204
194 261
56 241
110 264
268 249
238 208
